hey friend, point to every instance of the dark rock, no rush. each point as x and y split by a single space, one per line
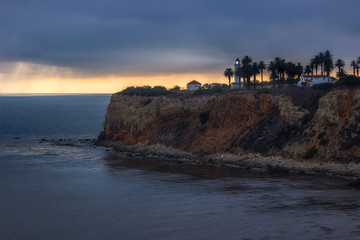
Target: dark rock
102 136
278 170
355 184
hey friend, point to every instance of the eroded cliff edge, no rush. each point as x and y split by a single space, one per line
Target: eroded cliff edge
286 123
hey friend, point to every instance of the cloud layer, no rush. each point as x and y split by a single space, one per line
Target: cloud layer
165 36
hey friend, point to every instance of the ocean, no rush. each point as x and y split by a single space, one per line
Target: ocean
55 185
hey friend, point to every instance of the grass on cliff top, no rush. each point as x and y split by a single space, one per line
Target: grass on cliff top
216 89
146 91
348 81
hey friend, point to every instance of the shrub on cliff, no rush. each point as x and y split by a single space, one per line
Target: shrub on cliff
145 91
216 89
349 81
175 88
310 153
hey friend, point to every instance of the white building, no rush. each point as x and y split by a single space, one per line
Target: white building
311 80
193 85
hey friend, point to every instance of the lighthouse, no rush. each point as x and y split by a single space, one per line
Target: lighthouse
237 66
237 84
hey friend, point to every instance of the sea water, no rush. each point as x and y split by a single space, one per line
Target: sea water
54 186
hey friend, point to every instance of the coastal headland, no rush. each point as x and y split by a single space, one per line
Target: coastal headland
292 128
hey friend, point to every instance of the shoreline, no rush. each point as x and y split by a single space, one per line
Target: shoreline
271 164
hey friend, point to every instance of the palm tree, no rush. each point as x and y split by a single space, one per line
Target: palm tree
328 62
246 67
229 73
280 67
308 70
354 65
340 64
255 71
312 66
271 68
277 62
315 62
358 66
262 67
291 71
299 70
321 59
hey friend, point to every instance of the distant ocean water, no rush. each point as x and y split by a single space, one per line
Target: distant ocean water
55 190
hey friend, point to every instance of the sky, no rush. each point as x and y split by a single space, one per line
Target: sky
104 46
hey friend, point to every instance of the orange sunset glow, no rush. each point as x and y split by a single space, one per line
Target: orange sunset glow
34 78
106 84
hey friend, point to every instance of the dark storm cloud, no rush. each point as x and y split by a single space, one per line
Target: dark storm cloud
173 36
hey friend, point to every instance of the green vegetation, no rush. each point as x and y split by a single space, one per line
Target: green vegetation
310 153
246 70
175 88
145 91
215 89
280 71
204 117
349 81
283 72
340 64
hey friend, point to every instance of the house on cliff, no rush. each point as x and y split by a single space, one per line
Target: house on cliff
311 80
193 85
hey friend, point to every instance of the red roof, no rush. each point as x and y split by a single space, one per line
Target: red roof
194 82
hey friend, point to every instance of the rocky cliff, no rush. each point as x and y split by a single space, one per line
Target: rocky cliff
293 123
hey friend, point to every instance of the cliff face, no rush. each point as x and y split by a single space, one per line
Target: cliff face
286 123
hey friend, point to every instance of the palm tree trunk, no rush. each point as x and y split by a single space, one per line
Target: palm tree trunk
229 82
262 86
322 70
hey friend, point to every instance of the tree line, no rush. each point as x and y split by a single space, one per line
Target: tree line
281 71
